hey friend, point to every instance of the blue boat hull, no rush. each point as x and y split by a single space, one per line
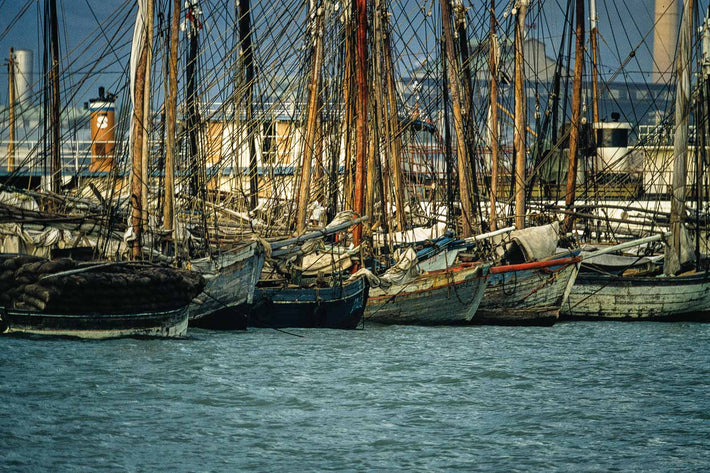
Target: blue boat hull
229 287
338 307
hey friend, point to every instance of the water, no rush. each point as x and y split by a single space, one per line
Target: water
573 397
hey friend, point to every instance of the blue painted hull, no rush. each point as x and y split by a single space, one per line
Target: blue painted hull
338 307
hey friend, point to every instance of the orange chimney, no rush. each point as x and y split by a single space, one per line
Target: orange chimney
103 131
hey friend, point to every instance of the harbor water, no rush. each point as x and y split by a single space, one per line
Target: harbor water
572 397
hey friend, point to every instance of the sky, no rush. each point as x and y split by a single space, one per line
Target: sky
622 25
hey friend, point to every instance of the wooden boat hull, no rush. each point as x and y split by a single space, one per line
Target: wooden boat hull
444 297
527 294
599 296
170 323
339 307
229 287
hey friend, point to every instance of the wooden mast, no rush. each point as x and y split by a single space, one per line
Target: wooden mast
595 73
394 128
672 260
349 105
193 119
459 14
361 114
311 118
56 159
493 125
171 112
463 168
520 117
380 136
137 176
574 130
147 119
248 64
11 100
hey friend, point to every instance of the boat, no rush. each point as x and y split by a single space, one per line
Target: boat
598 296
231 278
283 305
527 293
95 300
442 297
530 281
681 287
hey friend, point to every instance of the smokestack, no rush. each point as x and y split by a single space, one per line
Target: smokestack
23 75
665 36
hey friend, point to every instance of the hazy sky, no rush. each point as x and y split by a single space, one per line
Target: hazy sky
622 25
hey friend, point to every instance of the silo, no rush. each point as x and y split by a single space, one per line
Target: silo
665 36
23 75
103 131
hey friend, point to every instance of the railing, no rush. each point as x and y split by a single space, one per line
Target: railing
30 155
660 135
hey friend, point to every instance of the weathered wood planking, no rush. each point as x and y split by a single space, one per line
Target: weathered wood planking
443 297
229 286
601 296
526 296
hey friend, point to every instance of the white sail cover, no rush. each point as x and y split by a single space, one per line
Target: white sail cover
537 243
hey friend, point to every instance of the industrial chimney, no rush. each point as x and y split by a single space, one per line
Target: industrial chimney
103 131
665 36
23 59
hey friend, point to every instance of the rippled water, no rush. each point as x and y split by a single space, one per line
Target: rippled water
573 397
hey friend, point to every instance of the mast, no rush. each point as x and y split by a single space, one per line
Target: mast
55 120
11 100
463 169
349 105
193 112
248 64
361 113
493 125
380 133
137 176
311 118
575 119
171 112
672 260
148 121
467 101
450 221
395 137
595 73
520 117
